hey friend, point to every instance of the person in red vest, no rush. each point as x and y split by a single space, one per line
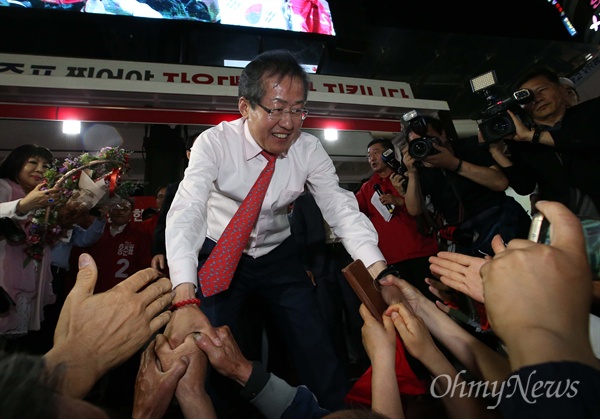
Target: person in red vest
123 248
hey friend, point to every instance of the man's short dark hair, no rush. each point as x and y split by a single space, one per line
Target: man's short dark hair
280 63
550 75
383 141
157 190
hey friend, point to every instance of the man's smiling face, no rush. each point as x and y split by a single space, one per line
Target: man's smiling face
275 135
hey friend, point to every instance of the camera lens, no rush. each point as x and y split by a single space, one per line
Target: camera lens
500 126
497 127
420 148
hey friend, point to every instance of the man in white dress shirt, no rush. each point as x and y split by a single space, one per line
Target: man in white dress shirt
224 164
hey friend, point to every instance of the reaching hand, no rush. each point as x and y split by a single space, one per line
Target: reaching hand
460 272
159 262
413 331
396 290
155 385
228 360
542 292
378 339
186 320
191 393
98 332
440 290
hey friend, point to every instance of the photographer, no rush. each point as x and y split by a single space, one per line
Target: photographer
560 152
465 186
402 243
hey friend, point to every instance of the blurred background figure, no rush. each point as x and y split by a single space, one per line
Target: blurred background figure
570 91
151 214
159 251
403 242
24 264
324 257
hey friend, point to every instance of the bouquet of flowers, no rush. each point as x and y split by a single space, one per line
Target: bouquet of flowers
85 181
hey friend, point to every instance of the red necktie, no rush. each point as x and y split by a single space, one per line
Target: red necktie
217 272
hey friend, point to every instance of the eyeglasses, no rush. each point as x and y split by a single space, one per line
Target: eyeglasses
276 114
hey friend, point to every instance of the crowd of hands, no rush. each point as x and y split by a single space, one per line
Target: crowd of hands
537 299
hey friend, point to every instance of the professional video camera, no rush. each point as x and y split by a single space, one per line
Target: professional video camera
421 147
496 123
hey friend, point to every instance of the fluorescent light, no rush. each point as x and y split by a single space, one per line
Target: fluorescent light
71 127
309 68
331 134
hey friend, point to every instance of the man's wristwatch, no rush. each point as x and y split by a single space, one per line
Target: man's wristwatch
537 132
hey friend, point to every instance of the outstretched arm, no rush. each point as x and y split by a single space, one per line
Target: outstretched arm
418 342
190 392
98 332
523 284
478 358
379 341
155 385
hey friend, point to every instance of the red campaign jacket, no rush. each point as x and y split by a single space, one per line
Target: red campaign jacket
399 239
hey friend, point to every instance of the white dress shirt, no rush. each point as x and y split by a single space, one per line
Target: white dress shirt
225 162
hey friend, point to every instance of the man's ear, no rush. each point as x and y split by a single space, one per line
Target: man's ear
244 107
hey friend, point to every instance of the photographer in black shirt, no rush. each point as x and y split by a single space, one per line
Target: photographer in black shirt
560 153
465 186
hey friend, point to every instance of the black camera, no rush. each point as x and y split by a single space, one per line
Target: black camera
421 148
389 158
496 123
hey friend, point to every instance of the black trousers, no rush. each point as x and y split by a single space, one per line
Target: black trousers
280 284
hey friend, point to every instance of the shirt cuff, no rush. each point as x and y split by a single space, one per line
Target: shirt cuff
181 272
369 255
275 398
256 382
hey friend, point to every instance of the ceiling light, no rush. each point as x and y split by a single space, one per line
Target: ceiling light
309 68
331 134
71 127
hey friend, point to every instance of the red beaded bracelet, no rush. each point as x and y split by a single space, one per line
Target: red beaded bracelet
183 303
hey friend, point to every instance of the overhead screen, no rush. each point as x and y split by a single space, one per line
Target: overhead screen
309 16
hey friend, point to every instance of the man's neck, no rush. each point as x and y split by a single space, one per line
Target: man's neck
548 122
117 229
384 173
551 120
